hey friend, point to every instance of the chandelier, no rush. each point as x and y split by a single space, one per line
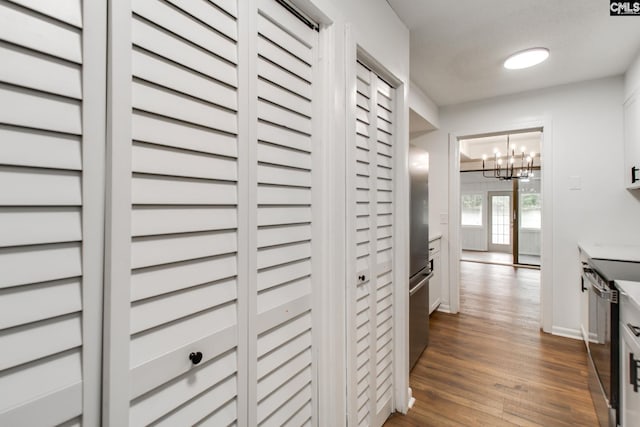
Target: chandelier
511 166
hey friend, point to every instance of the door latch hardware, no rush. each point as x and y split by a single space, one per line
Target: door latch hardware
362 277
634 171
633 372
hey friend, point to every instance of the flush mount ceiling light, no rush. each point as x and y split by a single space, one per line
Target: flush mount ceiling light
526 58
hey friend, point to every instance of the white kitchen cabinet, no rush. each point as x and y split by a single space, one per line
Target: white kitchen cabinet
629 353
435 283
584 310
629 383
632 142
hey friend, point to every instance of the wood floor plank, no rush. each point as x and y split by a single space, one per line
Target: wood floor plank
490 365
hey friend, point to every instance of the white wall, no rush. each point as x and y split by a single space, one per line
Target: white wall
587 143
476 238
632 78
422 105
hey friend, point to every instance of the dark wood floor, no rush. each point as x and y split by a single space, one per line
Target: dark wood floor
491 366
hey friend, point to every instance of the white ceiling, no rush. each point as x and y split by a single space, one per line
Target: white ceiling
458 47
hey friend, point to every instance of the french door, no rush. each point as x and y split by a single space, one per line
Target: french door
500 221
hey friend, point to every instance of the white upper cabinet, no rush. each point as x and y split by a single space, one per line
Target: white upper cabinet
632 141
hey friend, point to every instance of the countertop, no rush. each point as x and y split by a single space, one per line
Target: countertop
435 237
632 289
613 252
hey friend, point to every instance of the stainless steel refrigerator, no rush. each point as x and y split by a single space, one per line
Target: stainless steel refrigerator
419 271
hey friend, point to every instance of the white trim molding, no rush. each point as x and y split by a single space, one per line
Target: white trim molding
575 334
547 267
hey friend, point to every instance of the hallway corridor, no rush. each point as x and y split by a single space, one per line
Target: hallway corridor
491 366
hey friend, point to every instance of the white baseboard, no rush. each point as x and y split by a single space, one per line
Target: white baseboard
412 400
575 334
444 308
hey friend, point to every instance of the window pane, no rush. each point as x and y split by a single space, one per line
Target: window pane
472 209
530 211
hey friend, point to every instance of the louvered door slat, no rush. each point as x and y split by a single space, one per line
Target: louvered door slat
158 160
28 304
164 43
156 190
281 77
30 147
31 108
27 68
158 280
159 100
276 94
215 17
44 35
174 133
278 55
163 72
277 135
278 36
186 27
199 408
69 11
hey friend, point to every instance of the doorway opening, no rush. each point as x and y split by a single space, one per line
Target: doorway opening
501 217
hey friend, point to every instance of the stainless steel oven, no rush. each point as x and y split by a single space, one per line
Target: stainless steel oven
598 276
603 345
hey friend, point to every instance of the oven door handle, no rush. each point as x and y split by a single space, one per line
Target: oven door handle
422 282
609 295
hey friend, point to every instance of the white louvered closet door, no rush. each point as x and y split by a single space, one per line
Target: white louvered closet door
184 213
371 319
51 129
285 347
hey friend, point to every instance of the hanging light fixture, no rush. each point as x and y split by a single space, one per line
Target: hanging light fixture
511 166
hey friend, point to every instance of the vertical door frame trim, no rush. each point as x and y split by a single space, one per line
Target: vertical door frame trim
246 258
116 370
330 363
351 57
94 104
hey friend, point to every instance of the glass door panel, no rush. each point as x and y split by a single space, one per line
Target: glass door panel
529 220
500 221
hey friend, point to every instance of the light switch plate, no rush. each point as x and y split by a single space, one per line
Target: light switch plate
444 218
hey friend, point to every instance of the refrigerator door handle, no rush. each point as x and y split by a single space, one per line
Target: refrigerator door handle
417 287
